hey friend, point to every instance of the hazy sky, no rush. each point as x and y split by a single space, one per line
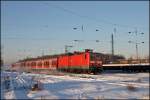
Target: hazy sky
31 28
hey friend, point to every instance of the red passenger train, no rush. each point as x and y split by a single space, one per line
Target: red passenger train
78 62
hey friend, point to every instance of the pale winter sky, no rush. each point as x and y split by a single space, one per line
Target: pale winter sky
33 28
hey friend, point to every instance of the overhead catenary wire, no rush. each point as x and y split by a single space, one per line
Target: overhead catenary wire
94 19
15 38
85 40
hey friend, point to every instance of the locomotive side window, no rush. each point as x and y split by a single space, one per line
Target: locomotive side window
85 56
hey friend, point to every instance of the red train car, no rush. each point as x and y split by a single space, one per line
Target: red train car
73 62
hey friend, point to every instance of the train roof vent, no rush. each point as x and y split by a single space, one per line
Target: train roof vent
88 50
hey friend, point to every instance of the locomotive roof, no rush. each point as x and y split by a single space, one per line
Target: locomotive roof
63 54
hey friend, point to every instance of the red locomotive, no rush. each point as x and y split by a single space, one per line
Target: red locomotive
78 62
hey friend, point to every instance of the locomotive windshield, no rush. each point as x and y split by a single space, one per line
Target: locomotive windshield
95 59
94 56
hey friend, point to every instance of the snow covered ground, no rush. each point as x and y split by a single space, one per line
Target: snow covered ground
77 86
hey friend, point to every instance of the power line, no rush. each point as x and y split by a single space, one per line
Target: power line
26 38
94 19
83 16
34 39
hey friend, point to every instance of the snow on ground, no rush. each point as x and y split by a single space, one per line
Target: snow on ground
78 86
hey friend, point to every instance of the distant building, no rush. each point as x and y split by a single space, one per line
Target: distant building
107 58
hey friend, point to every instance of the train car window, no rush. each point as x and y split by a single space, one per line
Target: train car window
40 64
46 63
54 63
31 63
27 64
24 64
21 64
34 64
